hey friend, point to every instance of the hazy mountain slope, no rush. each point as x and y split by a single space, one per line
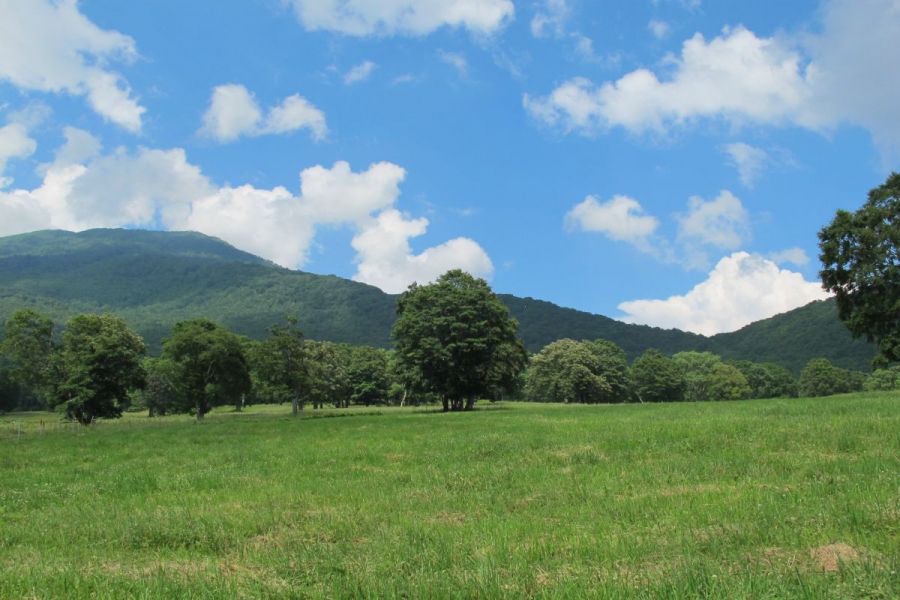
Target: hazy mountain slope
154 279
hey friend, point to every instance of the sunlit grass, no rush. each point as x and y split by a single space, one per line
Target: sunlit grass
756 499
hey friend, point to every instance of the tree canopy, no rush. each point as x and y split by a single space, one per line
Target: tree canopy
860 254
656 378
212 366
99 364
456 335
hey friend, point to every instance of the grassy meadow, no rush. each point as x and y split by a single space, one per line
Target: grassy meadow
753 499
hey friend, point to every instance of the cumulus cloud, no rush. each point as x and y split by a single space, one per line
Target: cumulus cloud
721 222
233 112
338 195
162 189
741 289
51 47
80 146
385 259
718 224
403 17
621 218
818 81
14 143
736 76
748 160
360 72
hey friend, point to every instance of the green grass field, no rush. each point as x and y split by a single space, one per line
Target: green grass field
755 499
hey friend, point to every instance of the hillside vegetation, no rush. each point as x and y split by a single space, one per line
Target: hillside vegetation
155 279
765 499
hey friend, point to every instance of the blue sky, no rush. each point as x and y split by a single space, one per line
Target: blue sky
660 161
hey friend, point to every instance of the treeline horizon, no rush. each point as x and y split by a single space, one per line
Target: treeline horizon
97 367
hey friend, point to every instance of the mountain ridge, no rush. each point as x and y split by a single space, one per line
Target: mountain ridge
154 279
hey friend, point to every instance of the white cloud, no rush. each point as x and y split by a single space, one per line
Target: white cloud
268 223
551 18
407 17
295 112
737 76
338 195
621 218
741 289
360 72
818 82
794 256
722 222
455 60
233 112
659 29
51 47
80 146
14 143
852 73
748 160
385 259
161 189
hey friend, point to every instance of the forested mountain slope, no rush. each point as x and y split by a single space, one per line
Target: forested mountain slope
154 279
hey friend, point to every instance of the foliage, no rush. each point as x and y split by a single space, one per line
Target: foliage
154 279
162 395
328 381
97 367
706 377
280 365
767 380
367 375
26 350
821 378
883 380
860 254
212 367
566 371
656 378
457 335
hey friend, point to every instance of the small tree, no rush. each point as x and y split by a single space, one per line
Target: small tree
99 364
161 394
367 374
280 362
27 348
883 380
567 371
212 367
656 378
860 254
821 378
767 380
456 336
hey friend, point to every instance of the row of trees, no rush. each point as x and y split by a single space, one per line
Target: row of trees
455 343
597 371
98 367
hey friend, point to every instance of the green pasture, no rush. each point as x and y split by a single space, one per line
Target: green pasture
753 499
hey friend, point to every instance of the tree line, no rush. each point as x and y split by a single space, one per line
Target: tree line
455 343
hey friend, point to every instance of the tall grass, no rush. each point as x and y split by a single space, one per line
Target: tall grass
759 499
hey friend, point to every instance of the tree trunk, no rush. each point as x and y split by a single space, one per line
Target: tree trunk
403 399
295 406
470 403
200 412
446 404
